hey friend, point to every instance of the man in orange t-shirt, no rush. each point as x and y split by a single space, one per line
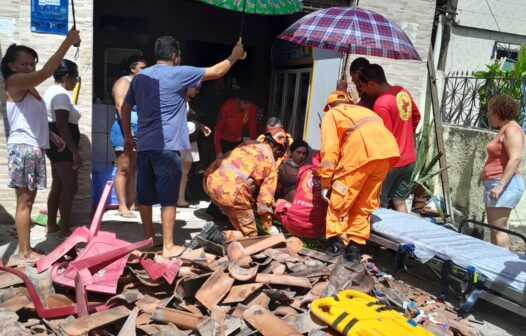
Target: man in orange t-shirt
234 115
400 114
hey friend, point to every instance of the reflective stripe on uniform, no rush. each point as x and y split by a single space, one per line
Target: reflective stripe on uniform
359 123
264 147
234 170
327 164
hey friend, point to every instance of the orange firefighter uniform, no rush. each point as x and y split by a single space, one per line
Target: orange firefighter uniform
357 151
232 181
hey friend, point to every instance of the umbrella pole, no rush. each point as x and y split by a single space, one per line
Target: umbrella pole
75 27
240 40
242 20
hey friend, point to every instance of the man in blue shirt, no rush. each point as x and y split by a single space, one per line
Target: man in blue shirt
159 92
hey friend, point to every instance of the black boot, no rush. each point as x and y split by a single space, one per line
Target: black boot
209 232
335 247
353 256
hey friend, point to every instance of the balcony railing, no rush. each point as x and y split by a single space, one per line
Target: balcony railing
464 101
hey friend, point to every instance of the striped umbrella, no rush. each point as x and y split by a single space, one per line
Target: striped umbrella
351 30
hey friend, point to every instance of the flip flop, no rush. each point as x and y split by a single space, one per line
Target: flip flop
15 260
127 214
187 206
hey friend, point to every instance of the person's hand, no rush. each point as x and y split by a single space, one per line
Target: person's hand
57 141
206 130
238 52
495 193
325 194
266 220
73 37
77 161
219 155
129 145
342 84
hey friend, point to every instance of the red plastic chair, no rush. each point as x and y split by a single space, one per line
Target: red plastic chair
80 235
101 262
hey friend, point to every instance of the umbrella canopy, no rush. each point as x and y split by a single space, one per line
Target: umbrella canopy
266 7
351 30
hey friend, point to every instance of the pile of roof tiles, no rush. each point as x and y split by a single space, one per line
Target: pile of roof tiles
261 285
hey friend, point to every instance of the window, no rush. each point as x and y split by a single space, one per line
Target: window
510 51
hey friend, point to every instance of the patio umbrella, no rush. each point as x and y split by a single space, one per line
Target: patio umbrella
265 7
351 30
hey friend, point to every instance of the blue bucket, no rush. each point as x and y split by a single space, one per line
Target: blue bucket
99 178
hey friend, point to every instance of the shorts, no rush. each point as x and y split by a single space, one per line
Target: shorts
158 177
65 156
397 185
116 136
192 154
511 195
26 167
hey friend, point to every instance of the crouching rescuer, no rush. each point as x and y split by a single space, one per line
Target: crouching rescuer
244 178
357 151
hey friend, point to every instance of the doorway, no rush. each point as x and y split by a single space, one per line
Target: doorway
290 94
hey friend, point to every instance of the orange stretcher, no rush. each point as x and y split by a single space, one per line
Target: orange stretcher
353 313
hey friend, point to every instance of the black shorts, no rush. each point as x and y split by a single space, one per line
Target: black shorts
65 156
397 184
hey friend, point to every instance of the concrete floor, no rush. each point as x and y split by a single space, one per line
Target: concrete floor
188 223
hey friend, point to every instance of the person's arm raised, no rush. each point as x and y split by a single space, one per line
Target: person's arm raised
221 68
25 81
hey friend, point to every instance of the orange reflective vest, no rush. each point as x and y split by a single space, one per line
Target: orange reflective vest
352 136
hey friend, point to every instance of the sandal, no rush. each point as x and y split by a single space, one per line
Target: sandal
127 214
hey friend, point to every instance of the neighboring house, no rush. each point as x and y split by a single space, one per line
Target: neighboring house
475 34
484 30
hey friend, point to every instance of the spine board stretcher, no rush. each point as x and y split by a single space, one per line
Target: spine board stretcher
478 268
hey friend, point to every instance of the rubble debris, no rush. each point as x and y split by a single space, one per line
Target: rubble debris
286 280
264 244
267 323
179 318
241 293
242 274
8 279
85 324
214 289
304 323
236 253
254 286
129 327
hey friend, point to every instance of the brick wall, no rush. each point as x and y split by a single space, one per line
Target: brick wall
15 17
415 17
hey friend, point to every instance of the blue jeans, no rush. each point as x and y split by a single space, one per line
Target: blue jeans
511 195
158 177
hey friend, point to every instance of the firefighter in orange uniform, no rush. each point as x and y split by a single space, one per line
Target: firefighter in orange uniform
357 151
232 181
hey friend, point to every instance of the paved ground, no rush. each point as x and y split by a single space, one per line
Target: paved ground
188 223
492 320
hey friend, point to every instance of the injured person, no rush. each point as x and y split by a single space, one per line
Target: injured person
304 217
232 181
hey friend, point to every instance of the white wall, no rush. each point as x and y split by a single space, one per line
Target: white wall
325 73
508 15
471 48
